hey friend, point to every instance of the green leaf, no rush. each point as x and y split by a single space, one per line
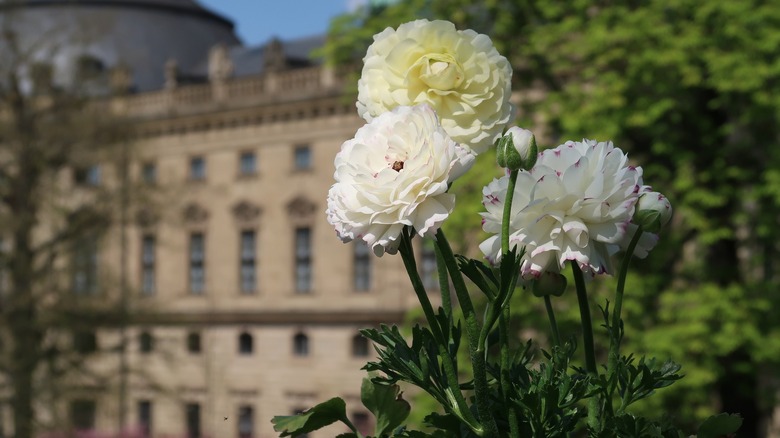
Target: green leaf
312 419
719 425
385 402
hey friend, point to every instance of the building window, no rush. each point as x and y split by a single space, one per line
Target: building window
146 342
429 272
89 67
301 345
248 262
145 417
87 176
197 264
302 157
303 274
245 344
197 169
82 414
246 421
148 250
84 341
192 412
85 261
193 342
359 346
361 266
362 422
247 164
149 173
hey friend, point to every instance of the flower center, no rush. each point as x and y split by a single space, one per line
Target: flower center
440 71
397 166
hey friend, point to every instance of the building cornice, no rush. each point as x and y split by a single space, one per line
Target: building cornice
369 318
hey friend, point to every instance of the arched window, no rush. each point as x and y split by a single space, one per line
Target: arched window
245 343
359 346
84 341
146 342
193 342
301 345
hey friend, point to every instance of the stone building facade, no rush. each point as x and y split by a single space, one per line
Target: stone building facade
245 303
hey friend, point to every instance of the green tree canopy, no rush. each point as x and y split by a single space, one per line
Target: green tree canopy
691 89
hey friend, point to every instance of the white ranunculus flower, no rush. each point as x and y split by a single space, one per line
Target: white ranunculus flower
459 73
395 172
575 204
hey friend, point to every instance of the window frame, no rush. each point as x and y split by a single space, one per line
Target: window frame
149 172
145 416
246 413
247 266
193 420
194 342
429 270
149 264
362 272
243 170
196 268
246 344
85 260
198 170
303 263
302 157
145 342
83 409
301 345
361 348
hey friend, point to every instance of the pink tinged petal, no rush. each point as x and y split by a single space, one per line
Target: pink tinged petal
577 232
431 213
548 187
575 177
607 232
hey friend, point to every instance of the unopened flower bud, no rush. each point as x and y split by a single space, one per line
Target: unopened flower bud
517 149
653 211
549 283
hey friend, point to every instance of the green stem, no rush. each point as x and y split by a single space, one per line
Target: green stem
504 312
461 408
476 351
614 341
587 326
587 341
507 217
553 323
506 386
444 284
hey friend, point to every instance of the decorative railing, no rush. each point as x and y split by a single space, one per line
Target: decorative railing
269 87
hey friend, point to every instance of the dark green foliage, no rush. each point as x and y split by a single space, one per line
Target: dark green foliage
385 402
549 398
691 89
417 363
719 425
319 416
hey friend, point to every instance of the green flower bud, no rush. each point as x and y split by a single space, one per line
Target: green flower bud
653 211
517 149
549 283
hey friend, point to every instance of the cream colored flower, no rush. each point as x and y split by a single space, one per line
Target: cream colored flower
575 204
459 73
395 172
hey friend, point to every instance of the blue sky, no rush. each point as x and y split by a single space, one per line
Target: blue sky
258 20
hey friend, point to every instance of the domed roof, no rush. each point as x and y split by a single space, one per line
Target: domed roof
140 35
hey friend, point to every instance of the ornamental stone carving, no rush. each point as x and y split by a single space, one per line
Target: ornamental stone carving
245 211
145 218
301 208
220 64
194 214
